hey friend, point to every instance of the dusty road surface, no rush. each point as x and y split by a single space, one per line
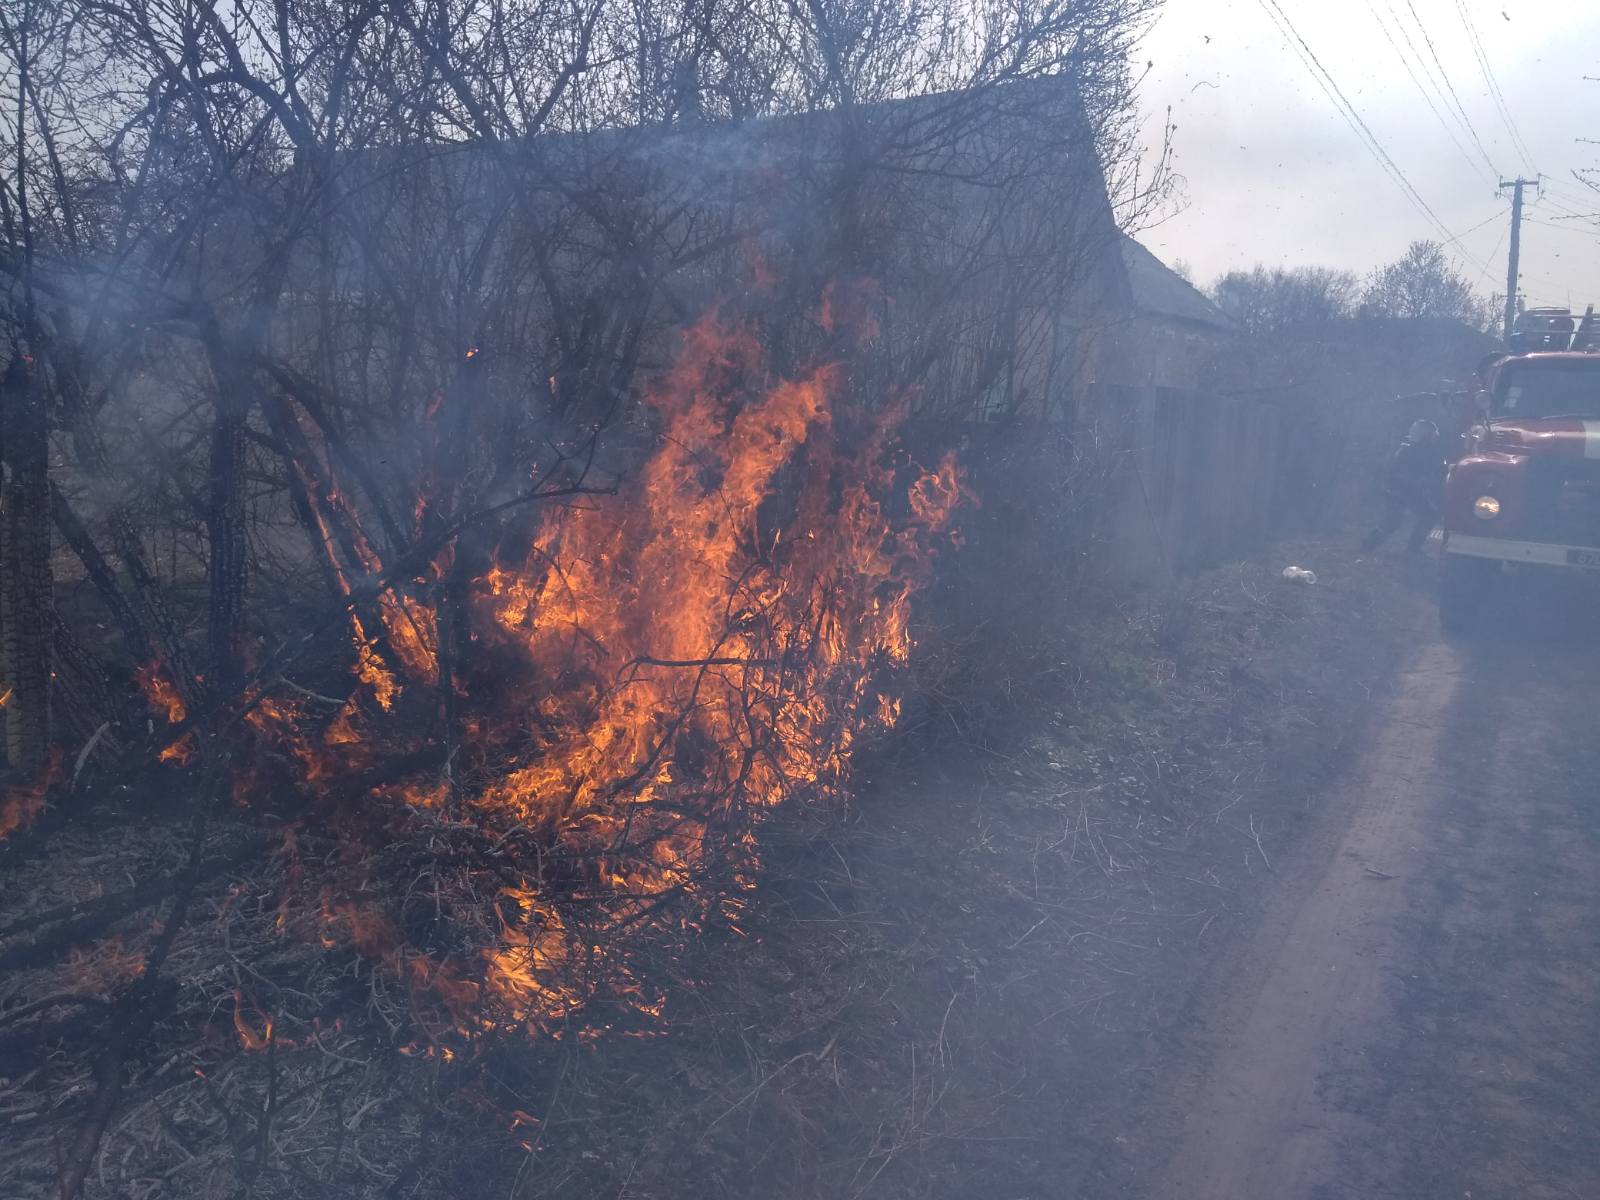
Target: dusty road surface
1417 1014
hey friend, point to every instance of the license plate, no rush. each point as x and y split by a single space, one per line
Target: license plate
1583 558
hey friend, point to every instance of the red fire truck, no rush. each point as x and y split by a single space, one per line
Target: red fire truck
1525 494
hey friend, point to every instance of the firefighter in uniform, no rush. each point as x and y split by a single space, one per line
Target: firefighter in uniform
1412 488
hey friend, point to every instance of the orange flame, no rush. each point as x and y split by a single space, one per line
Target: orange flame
181 752
647 675
22 804
160 692
245 1025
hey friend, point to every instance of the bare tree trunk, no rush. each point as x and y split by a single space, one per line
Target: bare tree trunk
226 564
225 521
25 577
142 612
101 574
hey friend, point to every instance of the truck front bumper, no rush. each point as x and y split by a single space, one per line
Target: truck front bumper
1541 554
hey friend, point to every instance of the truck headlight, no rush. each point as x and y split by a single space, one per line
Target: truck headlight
1486 508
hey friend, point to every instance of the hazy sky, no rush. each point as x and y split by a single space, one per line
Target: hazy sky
1273 174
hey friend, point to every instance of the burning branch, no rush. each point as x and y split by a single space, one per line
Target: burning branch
756 590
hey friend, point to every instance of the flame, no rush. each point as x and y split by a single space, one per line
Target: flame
181 752
22 804
433 982
936 494
410 628
370 667
19 808
257 1031
641 679
160 692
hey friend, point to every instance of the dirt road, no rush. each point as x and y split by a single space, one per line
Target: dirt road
1418 1012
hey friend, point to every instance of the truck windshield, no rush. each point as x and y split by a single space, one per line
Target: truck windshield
1549 389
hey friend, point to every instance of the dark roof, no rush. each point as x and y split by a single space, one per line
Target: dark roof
1159 291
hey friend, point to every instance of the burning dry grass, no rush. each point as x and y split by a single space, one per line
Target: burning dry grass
543 781
927 997
641 678
22 803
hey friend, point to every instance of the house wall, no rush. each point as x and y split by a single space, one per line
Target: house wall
1143 350
1194 478
1193 472
1221 443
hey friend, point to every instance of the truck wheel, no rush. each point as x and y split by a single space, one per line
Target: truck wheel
1465 585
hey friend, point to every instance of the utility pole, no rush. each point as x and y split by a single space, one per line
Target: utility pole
1516 186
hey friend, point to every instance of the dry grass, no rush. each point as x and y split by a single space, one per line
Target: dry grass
965 978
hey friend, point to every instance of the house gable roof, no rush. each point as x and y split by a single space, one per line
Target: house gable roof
1158 291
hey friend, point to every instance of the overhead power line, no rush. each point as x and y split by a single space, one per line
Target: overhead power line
1570 182
1481 224
1556 186
1488 177
1495 253
1567 211
1560 202
1566 193
1352 118
1330 87
1588 233
1494 87
1485 271
1461 110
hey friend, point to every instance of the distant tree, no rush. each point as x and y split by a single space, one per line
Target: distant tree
1275 300
1422 283
1183 270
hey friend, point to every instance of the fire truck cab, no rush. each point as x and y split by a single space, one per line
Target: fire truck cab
1525 494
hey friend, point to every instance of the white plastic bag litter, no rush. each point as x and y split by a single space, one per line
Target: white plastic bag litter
1299 575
